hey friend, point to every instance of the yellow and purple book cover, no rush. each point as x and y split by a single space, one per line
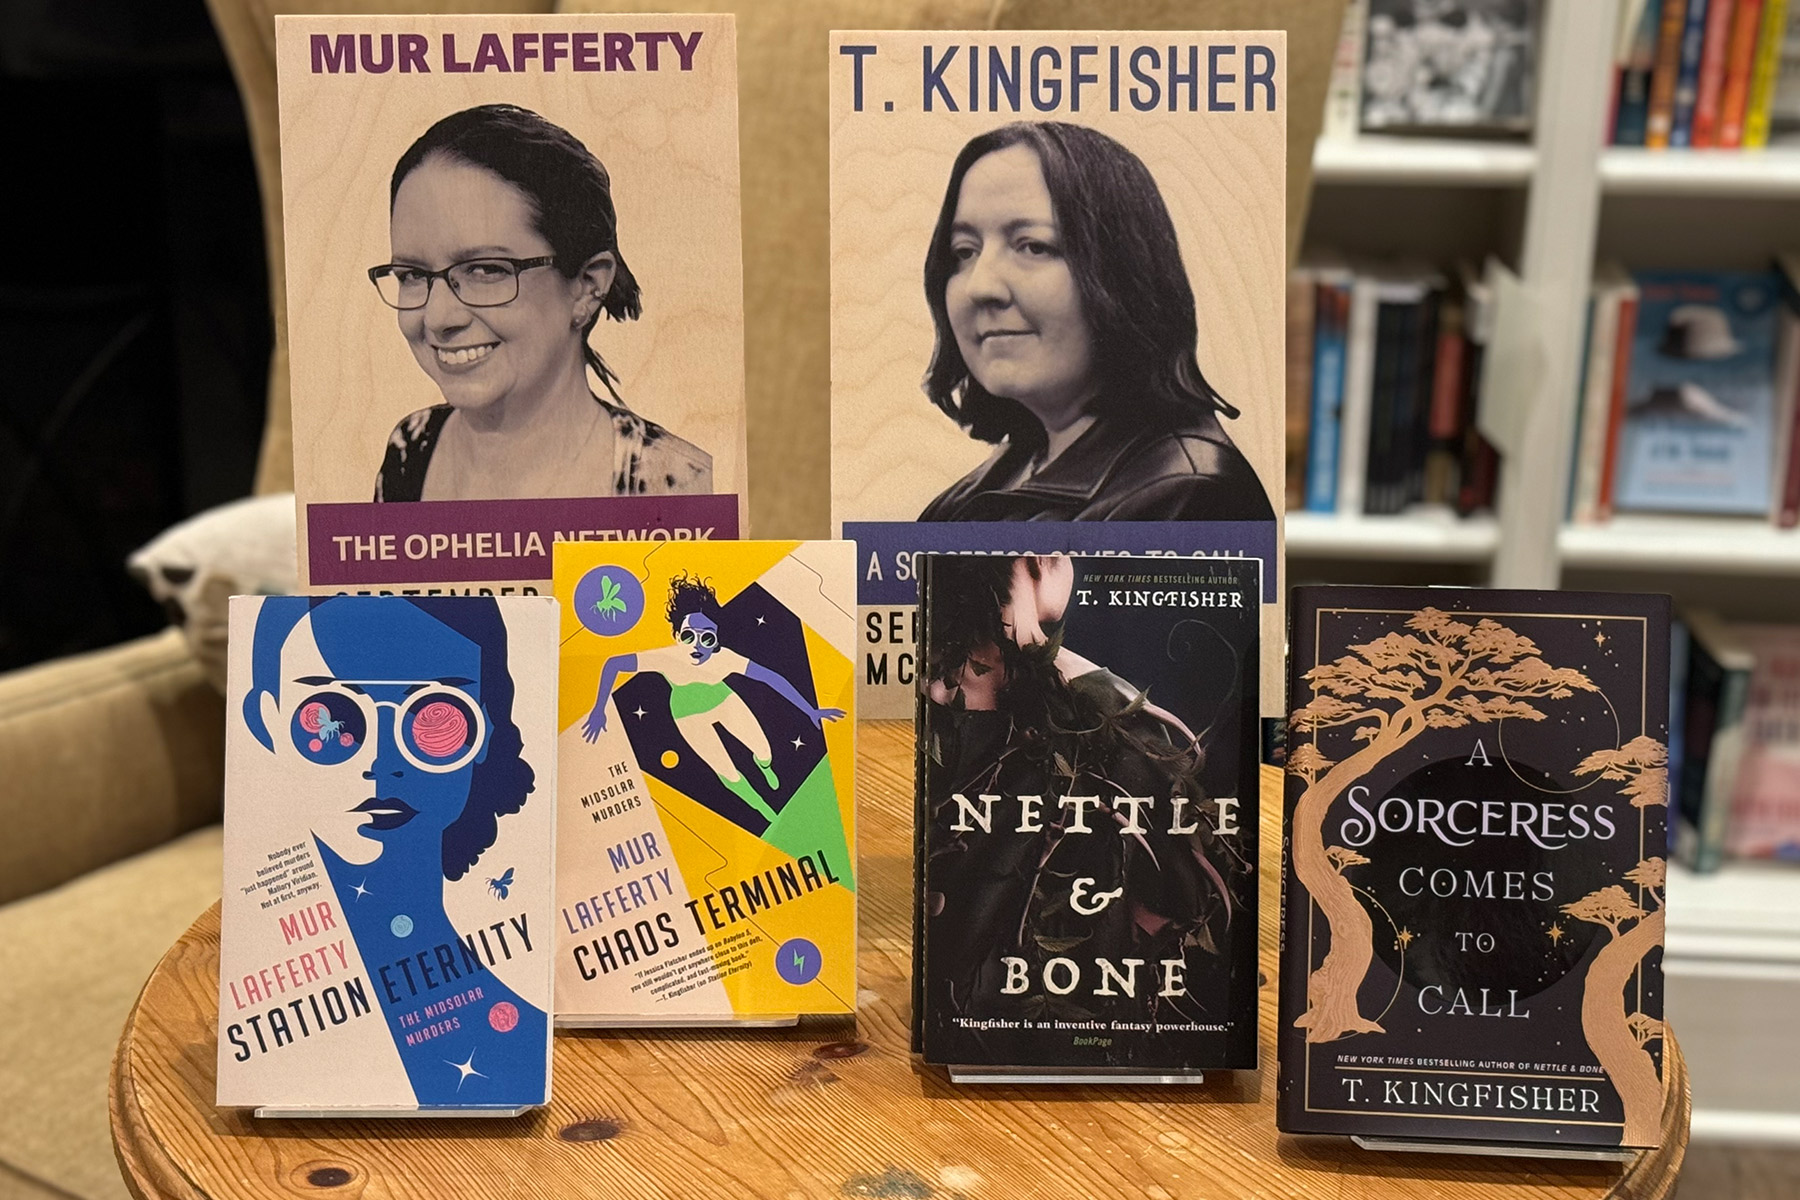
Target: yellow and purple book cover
706 858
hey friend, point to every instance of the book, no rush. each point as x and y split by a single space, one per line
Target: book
1698 427
514 291
1343 95
1687 77
389 953
1632 112
706 863
1330 332
1710 89
1472 881
1621 381
1375 295
1720 663
1478 476
1444 418
1087 816
1660 119
1300 306
1786 474
1765 799
1458 67
1594 413
977 406
1740 64
1763 75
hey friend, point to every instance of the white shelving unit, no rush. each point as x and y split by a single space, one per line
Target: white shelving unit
1732 962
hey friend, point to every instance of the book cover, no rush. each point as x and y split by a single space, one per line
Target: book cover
1720 665
1300 307
1472 889
1710 90
1687 74
1058 289
1330 330
1698 425
514 291
1088 805
1343 96
1659 122
390 786
1786 477
1456 67
706 857
1633 109
1765 802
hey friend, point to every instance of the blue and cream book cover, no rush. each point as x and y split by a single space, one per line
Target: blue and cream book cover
1700 405
390 787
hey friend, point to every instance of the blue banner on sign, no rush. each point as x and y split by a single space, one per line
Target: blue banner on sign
887 572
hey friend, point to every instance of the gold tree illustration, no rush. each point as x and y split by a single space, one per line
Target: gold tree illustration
1619 1039
1305 761
1342 857
1441 674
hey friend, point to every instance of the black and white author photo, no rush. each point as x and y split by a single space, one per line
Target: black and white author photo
1066 337
506 254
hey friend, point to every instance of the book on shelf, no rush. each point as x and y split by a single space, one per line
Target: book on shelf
1343 95
1699 423
1765 799
1787 395
1659 119
1631 89
1459 67
1331 330
1300 311
1710 88
1612 318
1764 74
1087 815
1740 65
1720 663
706 857
388 954
1473 866
1687 73
1784 104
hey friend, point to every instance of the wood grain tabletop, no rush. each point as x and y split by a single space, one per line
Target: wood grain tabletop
830 1108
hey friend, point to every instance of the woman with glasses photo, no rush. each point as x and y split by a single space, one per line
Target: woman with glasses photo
1066 337
505 255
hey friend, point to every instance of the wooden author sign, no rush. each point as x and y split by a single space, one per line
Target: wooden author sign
515 294
1057 289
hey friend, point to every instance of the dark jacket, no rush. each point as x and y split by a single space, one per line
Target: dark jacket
1116 471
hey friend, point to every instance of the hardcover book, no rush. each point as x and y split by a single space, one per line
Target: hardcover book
1699 420
706 861
1053 329
1472 889
514 291
390 784
1087 816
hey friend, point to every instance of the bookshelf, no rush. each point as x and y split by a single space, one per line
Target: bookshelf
1548 210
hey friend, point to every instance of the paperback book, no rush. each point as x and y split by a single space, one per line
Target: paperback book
1698 430
1474 842
1050 331
1087 817
390 783
706 863
515 291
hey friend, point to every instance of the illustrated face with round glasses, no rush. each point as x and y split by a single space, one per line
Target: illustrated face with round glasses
699 636
387 724
481 301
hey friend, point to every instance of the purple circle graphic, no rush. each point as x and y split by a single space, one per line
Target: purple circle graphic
609 601
798 961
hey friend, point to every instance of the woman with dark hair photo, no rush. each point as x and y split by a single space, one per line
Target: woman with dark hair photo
1066 336
506 254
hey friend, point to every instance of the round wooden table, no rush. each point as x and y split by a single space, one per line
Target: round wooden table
829 1108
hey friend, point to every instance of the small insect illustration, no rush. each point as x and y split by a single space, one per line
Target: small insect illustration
501 886
316 719
609 605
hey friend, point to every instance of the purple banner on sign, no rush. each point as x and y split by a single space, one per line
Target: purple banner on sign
450 541
887 572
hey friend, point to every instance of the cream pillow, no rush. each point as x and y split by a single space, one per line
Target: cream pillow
191 569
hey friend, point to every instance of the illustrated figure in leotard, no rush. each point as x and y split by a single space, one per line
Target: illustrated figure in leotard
701 702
